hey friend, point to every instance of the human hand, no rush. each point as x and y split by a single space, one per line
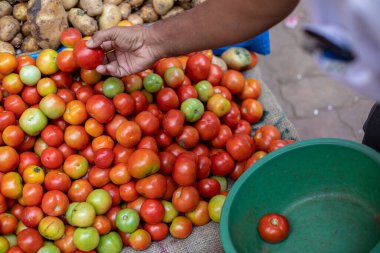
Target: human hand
130 50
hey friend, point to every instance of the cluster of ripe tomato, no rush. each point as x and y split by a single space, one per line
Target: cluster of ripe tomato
94 163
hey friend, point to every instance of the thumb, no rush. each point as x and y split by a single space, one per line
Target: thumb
101 36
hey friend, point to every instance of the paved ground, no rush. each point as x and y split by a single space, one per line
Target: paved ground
317 105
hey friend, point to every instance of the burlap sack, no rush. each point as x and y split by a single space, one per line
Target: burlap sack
206 238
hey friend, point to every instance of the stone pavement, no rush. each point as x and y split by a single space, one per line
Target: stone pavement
318 105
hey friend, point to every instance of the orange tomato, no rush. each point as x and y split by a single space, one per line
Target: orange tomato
12 83
33 175
252 89
90 76
24 60
8 63
13 136
254 60
46 86
103 141
75 113
119 174
93 127
125 23
11 185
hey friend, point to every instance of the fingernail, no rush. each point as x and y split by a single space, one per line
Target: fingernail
89 43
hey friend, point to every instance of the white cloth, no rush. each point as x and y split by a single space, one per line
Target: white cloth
355 23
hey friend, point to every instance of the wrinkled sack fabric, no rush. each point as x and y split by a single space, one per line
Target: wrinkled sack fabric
206 238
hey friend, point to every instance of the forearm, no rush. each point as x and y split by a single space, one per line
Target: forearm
218 23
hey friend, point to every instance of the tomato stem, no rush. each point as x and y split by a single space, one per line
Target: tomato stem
274 222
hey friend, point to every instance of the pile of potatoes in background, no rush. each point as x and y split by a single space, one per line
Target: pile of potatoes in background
28 26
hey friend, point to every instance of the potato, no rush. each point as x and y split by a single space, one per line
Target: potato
148 14
162 6
26 28
197 2
175 11
110 17
91 7
115 2
135 3
81 21
185 4
19 11
9 27
125 10
135 19
48 20
29 44
68 4
17 40
220 62
5 8
6 47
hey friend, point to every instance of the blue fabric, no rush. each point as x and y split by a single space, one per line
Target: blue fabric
260 44
34 55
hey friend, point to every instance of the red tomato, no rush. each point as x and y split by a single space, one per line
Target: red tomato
199 216
152 211
128 134
185 199
52 158
148 142
79 190
240 147
174 77
66 95
181 227
54 203
243 127
113 190
254 60
66 150
163 140
171 186
91 77
104 158
111 215
223 136
167 161
185 171
141 102
122 154
119 174
66 243
222 164
66 61
31 216
128 191
7 118
223 91
188 138
233 80
238 170
166 63
273 228
13 136
15 104
158 232
70 36
186 91
251 110
3 204
172 123
132 83
208 187
57 180
100 108
24 60
136 204
149 124
215 75
124 104
88 58
32 194
203 167
98 177
76 137
276 144
52 135
152 187
114 124
102 224
140 239
265 135
62 79
30 240
252 89
84 93
8 223
30 95
198 67
9 159
208 126
175 149
143 162
93 127
167 99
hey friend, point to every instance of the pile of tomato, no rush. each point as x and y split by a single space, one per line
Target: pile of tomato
96 163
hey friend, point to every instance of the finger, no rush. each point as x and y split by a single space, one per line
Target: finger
110 57
102 69
107 46
101 36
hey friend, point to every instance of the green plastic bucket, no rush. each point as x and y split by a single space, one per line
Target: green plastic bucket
329 189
